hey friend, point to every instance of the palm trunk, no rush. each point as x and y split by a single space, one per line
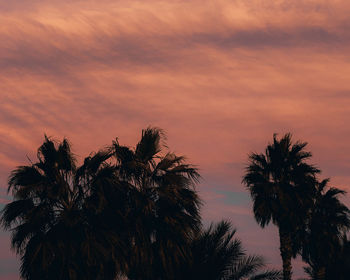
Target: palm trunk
286 253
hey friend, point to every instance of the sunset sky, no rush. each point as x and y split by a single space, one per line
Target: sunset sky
220 77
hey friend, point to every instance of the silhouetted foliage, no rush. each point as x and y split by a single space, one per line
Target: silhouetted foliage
339 267
54 226
166 211
281 184
133 213
324 237
217 255
124 211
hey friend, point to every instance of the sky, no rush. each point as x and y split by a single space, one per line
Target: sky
220 77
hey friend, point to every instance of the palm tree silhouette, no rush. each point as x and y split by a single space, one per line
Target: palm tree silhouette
217 255
329 220
339 267
164 205
281 184
52 218
123 212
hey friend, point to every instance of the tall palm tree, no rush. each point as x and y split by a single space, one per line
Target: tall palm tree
329 220
217 255
281 184
164 205
52 218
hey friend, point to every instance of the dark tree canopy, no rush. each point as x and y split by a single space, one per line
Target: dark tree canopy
134 213
327 225
53 218
281 184
166 211
217 255
123 211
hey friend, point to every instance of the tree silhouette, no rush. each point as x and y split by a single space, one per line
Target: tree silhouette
54 226
123 212
165 210
217 255
281 184
329 220
134 213
339 267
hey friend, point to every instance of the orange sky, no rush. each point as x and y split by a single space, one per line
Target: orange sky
219 76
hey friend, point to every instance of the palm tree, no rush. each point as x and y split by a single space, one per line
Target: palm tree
123 212
164 205
53 220
329 220
339 266
217 255
281 184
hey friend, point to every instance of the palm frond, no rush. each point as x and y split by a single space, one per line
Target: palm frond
150 144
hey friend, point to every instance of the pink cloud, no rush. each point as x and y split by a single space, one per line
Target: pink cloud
220 77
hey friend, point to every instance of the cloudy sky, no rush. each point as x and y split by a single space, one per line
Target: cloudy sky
219 76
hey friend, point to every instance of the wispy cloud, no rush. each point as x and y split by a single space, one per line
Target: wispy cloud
220 76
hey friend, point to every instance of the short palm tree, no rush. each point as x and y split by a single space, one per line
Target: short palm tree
164 206
328 223
53 217
281 184
217 255
339 266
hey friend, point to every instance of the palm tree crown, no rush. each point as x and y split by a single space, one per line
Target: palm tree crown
281 184
124 211
51 217
329 220
217 255
166 206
